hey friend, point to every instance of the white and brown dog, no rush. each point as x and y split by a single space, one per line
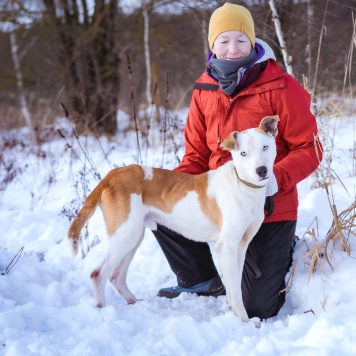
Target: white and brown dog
225 206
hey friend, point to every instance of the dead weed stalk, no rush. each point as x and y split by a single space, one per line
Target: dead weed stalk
343 225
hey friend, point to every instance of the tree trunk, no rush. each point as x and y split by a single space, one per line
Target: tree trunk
19 82
310 16
205 41
90 59
106 64
277 23
147 52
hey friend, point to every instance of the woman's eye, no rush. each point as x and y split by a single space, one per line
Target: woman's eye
265 148
243 153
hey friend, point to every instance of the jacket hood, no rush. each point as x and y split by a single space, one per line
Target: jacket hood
264 51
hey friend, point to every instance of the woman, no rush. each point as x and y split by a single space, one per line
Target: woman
242 84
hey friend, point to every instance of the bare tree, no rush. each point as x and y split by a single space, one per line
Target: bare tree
147 51
90 58
310 15
275 18
19 81
323 29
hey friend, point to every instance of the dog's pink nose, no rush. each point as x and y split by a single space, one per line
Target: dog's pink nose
262 171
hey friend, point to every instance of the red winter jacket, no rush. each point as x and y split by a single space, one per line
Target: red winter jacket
213 115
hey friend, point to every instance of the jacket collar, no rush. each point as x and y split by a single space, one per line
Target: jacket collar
271 73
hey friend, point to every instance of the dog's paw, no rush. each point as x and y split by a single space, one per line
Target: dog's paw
272 186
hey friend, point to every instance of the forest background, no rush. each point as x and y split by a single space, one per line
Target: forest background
124 71
100 56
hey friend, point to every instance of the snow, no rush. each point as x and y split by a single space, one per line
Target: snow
46 301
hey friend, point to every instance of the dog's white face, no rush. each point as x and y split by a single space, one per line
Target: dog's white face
254 156
254 151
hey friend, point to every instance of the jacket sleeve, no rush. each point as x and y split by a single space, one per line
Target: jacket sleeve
197 152
298 131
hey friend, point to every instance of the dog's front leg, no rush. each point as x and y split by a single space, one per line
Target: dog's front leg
242 249
227 250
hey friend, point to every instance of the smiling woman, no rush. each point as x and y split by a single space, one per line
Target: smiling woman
242 84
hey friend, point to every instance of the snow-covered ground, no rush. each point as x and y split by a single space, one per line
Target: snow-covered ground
46 301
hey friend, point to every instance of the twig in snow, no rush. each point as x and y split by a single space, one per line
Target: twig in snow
309 311
13 262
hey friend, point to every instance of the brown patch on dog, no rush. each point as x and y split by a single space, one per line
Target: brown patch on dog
208 205
121 183
167 188
113 192
230 143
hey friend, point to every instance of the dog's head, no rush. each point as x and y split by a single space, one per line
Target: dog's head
254 150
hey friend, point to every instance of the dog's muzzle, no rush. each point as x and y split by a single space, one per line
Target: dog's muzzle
262 171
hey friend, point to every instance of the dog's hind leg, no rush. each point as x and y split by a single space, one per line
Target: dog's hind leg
101 274
118 276
122 247
99 277
125 238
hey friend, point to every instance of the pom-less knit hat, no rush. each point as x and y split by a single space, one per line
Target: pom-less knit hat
231 17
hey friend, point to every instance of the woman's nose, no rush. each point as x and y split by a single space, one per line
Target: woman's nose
233 47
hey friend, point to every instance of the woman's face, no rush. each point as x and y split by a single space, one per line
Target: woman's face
232 45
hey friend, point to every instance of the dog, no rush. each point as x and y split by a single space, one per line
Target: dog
225 206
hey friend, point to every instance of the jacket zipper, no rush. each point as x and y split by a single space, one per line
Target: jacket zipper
218 119
218 116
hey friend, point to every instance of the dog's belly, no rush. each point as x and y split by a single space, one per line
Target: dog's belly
186 218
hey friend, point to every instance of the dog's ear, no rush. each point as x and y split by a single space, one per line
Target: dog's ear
230 143
269 124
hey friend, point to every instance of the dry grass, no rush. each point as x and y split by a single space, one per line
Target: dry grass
315 250
313 253
343 225
342 228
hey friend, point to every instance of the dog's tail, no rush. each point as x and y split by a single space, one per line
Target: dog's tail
85 213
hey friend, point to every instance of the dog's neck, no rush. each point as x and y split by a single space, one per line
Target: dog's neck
251 185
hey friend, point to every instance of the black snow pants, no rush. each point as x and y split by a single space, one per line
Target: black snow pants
268 259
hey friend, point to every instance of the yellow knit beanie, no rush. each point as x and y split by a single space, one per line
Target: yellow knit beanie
231 17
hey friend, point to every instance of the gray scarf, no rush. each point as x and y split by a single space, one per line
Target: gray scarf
229 73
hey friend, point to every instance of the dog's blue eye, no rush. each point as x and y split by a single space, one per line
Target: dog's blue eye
265 148
243 153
